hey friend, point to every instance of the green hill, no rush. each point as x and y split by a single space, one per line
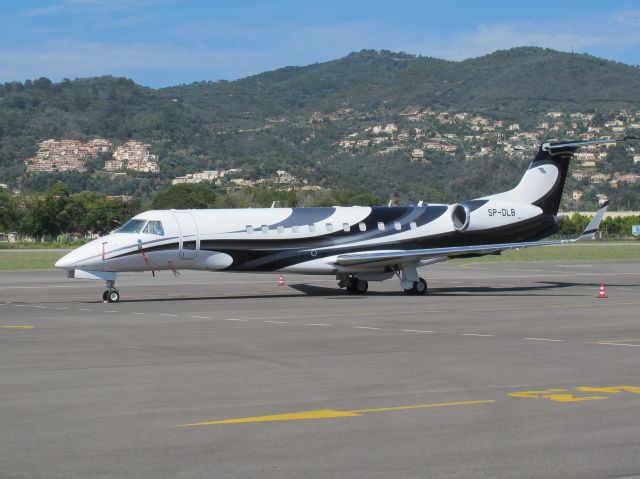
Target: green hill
293 118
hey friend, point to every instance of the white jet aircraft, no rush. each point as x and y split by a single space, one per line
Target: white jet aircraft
357 244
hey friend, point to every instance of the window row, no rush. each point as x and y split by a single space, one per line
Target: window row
312 228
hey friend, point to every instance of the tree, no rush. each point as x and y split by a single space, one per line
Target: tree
184 196
8 212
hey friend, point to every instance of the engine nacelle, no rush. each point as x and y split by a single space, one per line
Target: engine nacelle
479 215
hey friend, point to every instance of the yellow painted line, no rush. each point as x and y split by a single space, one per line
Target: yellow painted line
17 327
330 413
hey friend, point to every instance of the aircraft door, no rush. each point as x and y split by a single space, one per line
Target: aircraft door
189 239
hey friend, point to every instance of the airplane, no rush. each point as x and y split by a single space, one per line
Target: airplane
357 244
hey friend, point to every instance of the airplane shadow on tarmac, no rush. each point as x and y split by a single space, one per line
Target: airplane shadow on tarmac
310 290
313 290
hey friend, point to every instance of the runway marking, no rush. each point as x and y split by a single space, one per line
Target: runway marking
558 395
316 324
546 339
134 312
415 331
169 315
364 327
40 307
234 319
564 395
479 335
84 309
276 322
16 327
331 413
61 308
111 311
200 317
620 344
454 310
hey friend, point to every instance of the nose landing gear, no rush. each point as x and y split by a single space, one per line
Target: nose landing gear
111 295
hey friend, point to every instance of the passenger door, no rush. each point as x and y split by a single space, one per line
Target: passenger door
189 239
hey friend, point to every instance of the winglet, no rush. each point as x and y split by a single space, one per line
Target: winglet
590 231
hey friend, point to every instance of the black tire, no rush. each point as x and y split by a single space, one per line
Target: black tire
420 287
361 286
105 295
113 296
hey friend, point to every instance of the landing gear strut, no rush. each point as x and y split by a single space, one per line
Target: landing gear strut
111 295
410 281
354 285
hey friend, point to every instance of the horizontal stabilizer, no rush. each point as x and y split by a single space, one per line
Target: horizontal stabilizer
591 229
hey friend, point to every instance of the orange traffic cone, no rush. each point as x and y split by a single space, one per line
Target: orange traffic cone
281 281
602 294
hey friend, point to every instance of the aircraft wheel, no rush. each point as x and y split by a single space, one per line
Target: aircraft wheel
361 286
419 288
105 295
113 296
356 286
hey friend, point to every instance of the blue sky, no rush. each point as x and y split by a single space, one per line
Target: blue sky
168 42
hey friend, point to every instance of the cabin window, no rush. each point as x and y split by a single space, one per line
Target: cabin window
362 226
345 227
249 229
280 229
154 228
312 228
397 226
265 229
329 227
413 225
132 226
295 228
380 225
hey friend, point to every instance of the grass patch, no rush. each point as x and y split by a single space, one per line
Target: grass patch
29 259
605 251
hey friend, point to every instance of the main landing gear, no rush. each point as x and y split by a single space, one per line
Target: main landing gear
419 287
111 295
354 285
410 281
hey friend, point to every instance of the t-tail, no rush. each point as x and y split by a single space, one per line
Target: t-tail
543 182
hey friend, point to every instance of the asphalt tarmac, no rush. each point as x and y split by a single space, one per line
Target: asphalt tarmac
503 370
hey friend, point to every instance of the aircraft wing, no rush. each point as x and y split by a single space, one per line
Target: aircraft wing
389 258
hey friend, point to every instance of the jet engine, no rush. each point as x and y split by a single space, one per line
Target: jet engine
479 215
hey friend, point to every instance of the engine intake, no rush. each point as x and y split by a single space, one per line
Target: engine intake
460 217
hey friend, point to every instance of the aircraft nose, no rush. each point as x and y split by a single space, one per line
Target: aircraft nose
64 262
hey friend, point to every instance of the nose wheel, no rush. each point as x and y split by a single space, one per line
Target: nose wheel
111 295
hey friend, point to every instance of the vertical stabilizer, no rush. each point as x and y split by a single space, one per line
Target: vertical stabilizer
543 182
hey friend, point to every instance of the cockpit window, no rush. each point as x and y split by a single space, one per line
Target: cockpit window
154 228
132 226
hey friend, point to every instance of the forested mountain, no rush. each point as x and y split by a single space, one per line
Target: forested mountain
294 119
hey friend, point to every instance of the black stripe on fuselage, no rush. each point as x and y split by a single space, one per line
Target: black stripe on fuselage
250 259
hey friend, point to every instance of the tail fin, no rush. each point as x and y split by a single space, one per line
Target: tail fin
543 182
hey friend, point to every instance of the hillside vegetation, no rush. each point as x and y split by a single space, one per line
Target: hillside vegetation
293 119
